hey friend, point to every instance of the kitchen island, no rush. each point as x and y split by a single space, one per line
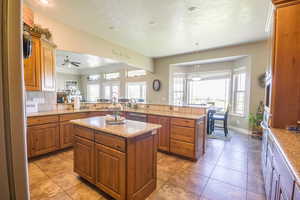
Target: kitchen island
118 159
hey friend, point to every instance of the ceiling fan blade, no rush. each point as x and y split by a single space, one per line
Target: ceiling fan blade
75 64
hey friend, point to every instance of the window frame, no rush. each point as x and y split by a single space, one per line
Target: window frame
237 72
141 89
87 92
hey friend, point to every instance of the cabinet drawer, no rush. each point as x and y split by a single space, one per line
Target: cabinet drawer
184 134
286 176
42 120
72 116
110 141
183 122
84 132
182 148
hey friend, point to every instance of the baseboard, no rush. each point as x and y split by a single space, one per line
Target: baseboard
240 130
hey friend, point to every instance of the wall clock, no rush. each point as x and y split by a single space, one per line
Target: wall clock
156 85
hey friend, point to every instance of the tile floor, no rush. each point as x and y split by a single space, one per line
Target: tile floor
230 170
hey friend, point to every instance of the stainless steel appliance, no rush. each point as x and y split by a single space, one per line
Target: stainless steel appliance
136 116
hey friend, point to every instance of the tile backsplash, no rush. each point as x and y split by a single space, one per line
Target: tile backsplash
40 101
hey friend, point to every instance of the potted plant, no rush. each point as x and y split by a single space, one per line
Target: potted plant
255 119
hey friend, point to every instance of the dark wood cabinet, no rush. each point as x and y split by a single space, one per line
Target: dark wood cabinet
163 132
84 162
66 134
43 139
110 171
32 67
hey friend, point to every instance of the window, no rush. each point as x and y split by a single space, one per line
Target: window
93 92
214 91
136 73
111 90
137 90
94 77
178 90
113 75
239 91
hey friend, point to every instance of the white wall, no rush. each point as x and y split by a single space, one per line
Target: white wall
73 39
61 78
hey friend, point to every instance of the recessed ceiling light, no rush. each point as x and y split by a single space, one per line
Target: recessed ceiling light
152 22
44 1
192 8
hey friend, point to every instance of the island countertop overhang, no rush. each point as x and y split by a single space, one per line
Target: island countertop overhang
130 129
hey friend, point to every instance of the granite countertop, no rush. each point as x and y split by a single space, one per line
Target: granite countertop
289 145
152 112
128 130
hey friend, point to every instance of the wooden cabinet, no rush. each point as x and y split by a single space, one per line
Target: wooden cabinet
110 171
286 70
39 68
48 66
66 134
126 174
43 139
84 162
32 67
163 132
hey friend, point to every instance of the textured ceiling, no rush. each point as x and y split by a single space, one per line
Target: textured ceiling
159 28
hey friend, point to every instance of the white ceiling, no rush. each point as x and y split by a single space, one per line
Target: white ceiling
209 61
88 63
159 28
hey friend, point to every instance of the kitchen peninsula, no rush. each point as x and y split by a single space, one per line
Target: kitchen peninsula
119 159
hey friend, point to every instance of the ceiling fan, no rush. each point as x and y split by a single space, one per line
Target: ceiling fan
69 63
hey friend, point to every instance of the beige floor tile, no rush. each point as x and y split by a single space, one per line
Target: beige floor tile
44 189
59 196
84 192
36 175
67 155
172 192
66 180
190 182
59 167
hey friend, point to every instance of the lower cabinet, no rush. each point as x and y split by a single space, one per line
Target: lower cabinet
66 134
84 162
163 132
43 139
297 192
279 181
110 171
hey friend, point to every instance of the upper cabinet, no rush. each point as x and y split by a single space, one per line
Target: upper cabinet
39 68
48 66
285 106
32 67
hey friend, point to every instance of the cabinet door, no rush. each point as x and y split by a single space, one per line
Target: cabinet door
32 67
163 132
43 138
66 134
48 66
268 173
274 187
297 193
84 158
110 171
